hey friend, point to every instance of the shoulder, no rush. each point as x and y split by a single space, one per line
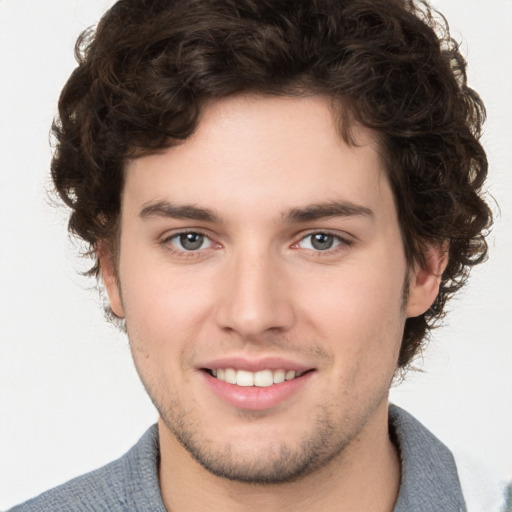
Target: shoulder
93 491
437 478
129 483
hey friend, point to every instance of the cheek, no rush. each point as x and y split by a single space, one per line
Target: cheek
162 308
167 311
358 310
356 296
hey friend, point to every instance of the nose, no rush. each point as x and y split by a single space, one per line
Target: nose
255 296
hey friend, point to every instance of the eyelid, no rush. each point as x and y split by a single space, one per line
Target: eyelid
183 231
170 233
165 241
344 240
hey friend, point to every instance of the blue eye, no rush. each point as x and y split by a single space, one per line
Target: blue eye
320 241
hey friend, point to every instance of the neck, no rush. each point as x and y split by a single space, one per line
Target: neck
365 476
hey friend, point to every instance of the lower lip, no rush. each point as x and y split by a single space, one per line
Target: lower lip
256 398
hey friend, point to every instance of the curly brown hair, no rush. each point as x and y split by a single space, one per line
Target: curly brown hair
145 73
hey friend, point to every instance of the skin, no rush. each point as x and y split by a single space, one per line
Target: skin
257 287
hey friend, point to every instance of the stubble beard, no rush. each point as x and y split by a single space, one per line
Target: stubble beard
332 431
327 439
273 466
332 427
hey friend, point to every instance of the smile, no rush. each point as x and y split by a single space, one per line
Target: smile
256 385
261 379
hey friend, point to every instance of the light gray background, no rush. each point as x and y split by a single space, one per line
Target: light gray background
70 400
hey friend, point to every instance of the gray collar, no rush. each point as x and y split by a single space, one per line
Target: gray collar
429 474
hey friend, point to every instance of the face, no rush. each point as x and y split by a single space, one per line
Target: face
261 274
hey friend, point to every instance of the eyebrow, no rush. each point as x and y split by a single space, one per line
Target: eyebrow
326 210
165 209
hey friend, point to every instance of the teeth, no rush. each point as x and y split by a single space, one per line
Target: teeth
290 374
279 376
261 379
244 378
230 376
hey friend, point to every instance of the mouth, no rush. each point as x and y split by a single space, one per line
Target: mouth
256 384
260 379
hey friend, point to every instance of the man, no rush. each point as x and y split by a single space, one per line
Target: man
280 197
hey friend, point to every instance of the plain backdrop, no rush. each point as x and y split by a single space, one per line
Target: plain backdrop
70 399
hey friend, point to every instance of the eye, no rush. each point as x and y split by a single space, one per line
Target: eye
321 241
190 241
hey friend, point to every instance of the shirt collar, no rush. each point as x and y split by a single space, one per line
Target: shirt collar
429 474
429 478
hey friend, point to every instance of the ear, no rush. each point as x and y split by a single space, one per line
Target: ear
109 276
424 280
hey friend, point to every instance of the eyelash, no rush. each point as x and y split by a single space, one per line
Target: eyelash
342 244
184 253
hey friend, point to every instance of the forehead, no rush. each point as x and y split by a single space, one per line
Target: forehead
277 152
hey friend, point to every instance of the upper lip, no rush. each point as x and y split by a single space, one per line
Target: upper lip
255 364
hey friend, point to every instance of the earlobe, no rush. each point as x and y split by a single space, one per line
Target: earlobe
109 276
424 280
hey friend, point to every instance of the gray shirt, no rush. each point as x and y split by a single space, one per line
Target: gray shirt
429 477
